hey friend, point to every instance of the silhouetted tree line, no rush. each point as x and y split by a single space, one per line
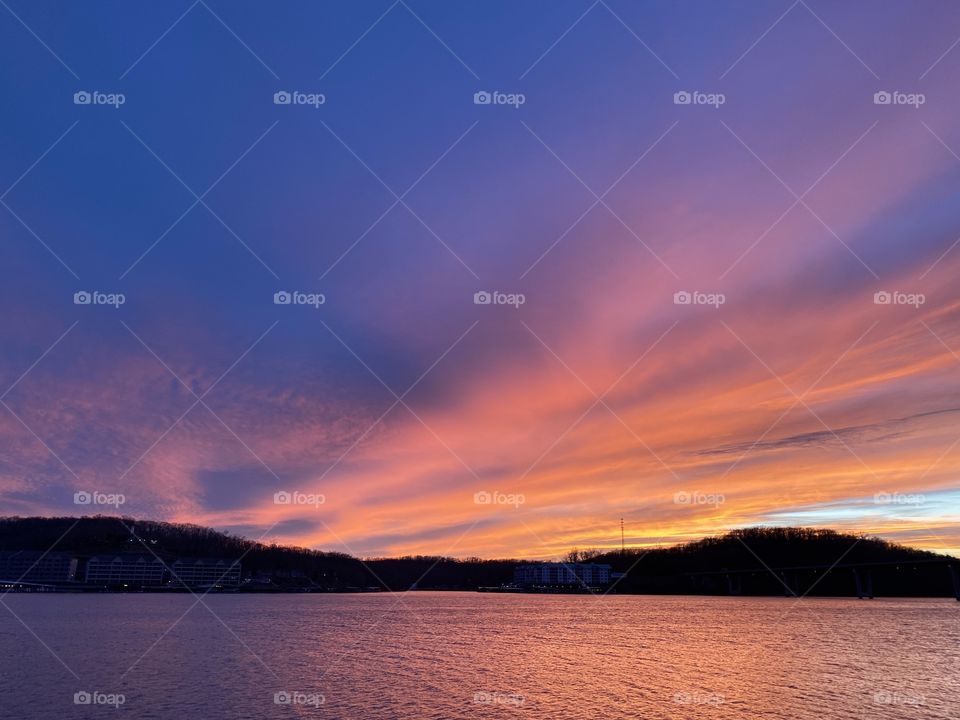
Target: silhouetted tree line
673 569
441 572
750 548
663 569
287 567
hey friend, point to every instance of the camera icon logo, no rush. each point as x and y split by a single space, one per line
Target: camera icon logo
82 497
682 297
882 98
682 97
482 297
282 97
882 297
884 697
82 97
282 498
681 498
482 498
282 698
82 698
82 297
482 98
282 297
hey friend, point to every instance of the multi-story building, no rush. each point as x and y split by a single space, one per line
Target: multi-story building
133 570
562 574
148 571
122 570
37 567
203 572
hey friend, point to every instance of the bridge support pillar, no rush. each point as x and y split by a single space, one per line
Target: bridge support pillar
955 577
734 585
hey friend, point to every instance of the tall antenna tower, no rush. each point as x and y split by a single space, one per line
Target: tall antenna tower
622 549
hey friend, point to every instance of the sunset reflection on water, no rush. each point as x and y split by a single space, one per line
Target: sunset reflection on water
465 655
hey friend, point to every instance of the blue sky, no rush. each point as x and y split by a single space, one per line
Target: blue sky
398 198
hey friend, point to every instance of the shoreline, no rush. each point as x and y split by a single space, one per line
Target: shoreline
473 591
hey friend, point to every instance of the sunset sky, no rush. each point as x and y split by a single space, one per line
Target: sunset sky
798 400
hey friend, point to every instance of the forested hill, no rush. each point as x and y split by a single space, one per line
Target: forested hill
287 566
665 569
750 548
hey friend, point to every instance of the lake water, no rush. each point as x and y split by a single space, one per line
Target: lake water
468 655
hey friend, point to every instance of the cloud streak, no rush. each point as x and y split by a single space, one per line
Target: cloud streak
796 399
